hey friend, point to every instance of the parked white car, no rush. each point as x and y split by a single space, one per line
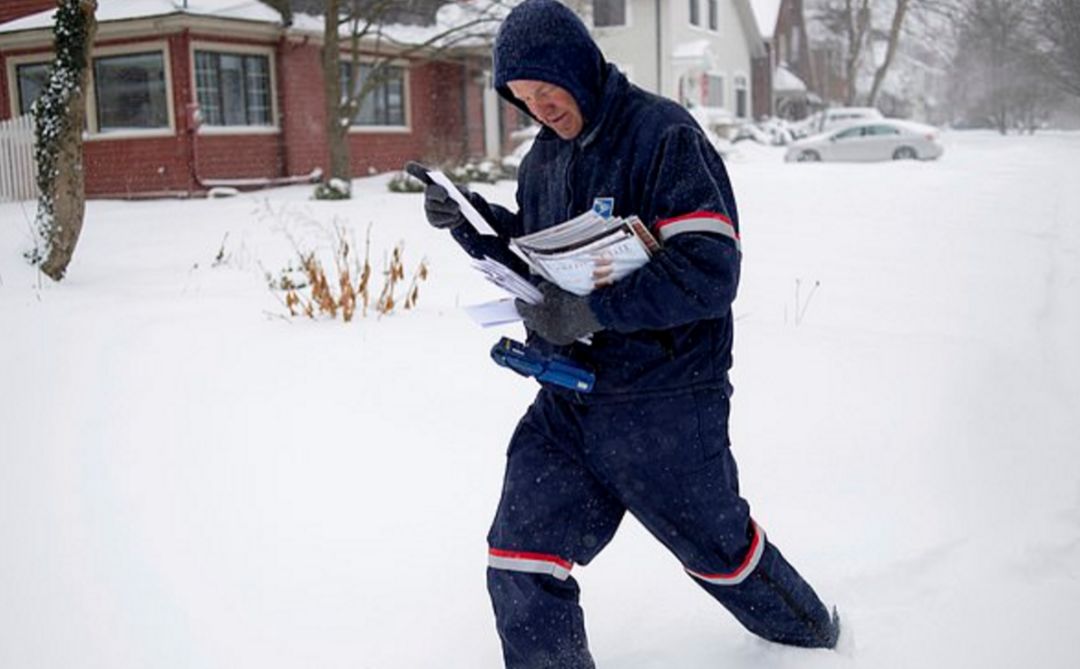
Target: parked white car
885 139
834 117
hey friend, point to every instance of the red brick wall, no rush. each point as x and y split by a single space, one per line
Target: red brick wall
437 132
122 167
177 163
13 9
300 99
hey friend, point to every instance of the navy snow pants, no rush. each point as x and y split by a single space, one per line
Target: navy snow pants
573 470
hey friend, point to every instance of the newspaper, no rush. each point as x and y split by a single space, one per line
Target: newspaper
568 254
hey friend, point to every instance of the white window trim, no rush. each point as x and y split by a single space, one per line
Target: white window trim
91 100
703 14
724 89
406 89
244 49
607 30
93 134
705 17
734 95
13 63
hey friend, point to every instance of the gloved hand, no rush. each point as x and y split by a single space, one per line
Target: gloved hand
441 210
561 317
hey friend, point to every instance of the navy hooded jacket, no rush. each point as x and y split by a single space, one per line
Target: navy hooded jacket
667 326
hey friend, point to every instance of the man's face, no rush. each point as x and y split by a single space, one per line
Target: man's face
552 105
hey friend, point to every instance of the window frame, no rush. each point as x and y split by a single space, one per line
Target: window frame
694 10
626 4
406 101
709 78
228 48
12 64
16 99
741 82
92 133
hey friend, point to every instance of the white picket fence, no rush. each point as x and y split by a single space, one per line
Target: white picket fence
17 159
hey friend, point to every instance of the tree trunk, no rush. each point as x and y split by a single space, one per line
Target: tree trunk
337 128
858 21
890 51
59 122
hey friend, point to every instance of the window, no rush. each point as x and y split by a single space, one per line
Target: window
607 13
233 89
850 133
384 105
31 80
714 15
714 90
695 13
130 92
740 96
882 130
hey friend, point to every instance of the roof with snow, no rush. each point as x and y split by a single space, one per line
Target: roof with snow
479 19
690 50
784 80
766 12
120 10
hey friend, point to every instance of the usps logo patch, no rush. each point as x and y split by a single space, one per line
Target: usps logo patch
605 206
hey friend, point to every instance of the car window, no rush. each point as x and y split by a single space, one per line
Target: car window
882 130
849 133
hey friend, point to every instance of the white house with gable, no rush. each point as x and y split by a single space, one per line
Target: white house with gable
698 52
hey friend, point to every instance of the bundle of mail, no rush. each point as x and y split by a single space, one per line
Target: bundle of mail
567 255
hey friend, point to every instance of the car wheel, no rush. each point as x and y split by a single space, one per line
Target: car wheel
809 156
905 153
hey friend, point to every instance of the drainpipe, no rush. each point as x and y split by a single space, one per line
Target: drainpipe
659 52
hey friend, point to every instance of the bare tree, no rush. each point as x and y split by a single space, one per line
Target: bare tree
849 23
892 42
59 115
364 25
871 34
1059 25
999 73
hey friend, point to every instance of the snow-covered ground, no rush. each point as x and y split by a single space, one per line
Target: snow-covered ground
189 480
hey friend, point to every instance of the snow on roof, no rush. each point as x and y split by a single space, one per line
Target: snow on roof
698 48
766 11
786 80
118 10
450 16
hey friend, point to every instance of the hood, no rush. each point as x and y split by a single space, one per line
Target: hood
544 40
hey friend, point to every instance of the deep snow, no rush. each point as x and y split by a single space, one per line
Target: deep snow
189 480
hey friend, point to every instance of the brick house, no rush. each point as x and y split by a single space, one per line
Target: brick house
807 65
160 67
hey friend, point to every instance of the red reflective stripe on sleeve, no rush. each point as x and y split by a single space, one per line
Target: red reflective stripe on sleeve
697 214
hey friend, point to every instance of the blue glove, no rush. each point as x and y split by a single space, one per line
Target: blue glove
561 317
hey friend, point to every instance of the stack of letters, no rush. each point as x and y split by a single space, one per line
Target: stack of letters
568 253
